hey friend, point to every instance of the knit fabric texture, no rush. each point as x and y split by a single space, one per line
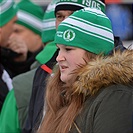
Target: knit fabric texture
8 10
49 28
75 5
30 15
89 29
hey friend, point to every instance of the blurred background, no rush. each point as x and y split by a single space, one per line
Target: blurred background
120 13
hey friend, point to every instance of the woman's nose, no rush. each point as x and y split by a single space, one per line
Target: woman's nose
60 57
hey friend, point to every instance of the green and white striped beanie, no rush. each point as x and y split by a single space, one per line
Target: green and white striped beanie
89 29
75 5
30 15
7 11
49 28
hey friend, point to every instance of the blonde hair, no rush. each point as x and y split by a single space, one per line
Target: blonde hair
61 103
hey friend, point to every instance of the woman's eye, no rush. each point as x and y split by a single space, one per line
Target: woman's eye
68 49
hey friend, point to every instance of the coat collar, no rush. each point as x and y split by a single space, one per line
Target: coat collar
103 72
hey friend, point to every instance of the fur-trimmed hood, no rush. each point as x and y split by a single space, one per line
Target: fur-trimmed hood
103 72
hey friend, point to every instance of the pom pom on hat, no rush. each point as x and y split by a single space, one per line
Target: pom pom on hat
89 29
7 11
30 15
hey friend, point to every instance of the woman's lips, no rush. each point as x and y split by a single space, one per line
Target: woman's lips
62 68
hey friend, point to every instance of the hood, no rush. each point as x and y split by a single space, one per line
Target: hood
105 71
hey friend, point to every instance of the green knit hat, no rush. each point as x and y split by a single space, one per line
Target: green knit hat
7 11
49 28
89 29
30 15
75 5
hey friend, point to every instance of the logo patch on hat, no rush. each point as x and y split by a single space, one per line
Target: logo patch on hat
69 35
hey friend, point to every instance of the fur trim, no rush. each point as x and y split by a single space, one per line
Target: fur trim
105 71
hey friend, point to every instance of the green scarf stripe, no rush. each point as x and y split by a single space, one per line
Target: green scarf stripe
90 28
29 19
92 24
90 33
6 6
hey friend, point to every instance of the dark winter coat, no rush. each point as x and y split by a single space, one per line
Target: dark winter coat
35 111
3 87
15 68
110 83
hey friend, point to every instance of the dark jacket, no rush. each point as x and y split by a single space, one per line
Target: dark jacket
109 108
110 111
36 102
3 87
15 68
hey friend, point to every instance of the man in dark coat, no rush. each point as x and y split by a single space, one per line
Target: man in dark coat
7 21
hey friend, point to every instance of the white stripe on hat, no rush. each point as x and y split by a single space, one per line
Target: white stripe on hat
86 32
4 6
94 10
49 24
89 29
29 19
90 23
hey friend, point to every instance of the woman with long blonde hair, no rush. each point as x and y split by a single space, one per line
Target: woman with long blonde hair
89 91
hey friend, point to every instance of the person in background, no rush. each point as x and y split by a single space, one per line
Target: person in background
92 90
25 41
7 20
62 10
22 84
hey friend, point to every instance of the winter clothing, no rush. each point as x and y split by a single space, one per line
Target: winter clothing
48 50
16 68
9 115
37 96
5 85
7 11
20 96
72 6
30 15
91 24
109 108
33 20
22 90
36 110
49 28
48 33
79 4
